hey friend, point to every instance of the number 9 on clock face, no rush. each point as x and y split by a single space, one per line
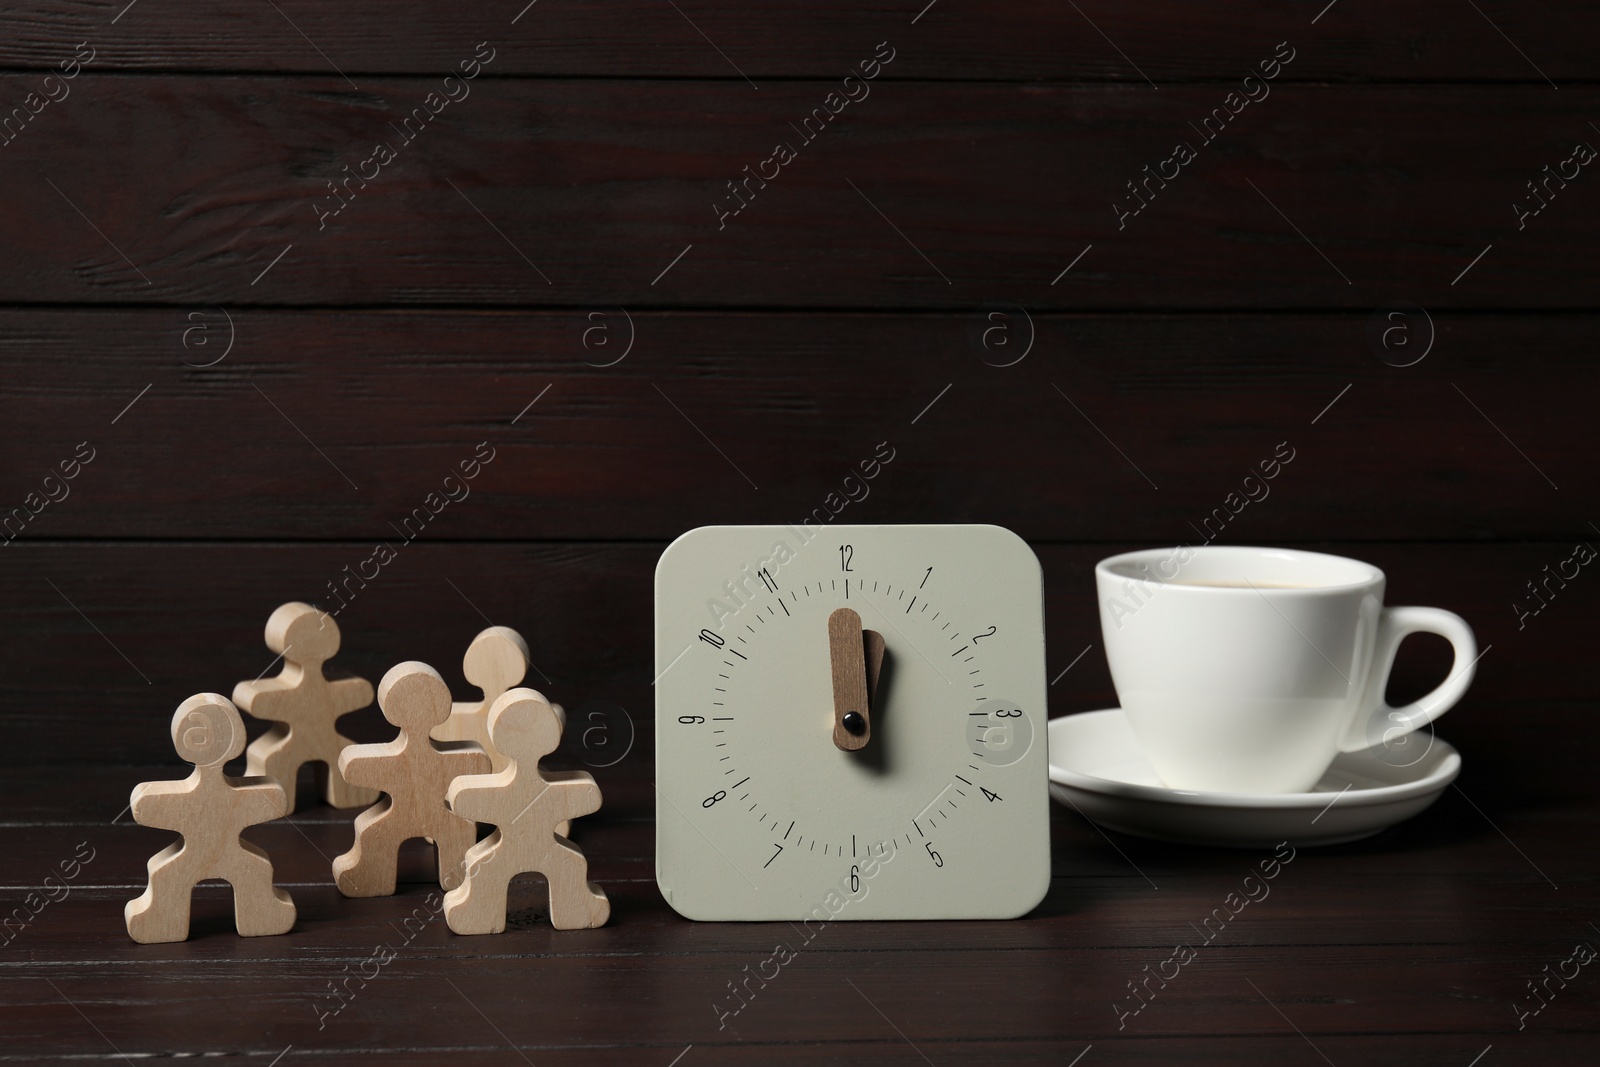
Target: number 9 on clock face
850 723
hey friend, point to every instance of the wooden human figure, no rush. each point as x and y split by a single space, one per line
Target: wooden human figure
525 806
414 772
304 707
208 809
496 660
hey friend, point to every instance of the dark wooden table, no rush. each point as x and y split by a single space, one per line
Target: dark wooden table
260 350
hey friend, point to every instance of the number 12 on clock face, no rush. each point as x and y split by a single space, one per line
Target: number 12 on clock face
850 723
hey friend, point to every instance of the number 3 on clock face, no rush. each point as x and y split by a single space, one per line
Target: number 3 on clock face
850 723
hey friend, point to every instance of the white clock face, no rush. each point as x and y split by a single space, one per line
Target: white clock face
943 811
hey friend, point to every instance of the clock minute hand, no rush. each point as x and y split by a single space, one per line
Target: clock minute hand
872 645
848 661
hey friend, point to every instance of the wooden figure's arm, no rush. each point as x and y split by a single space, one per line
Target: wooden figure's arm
258 697
162 805
258 799
577 792
349 694
462 758
365 764
481 797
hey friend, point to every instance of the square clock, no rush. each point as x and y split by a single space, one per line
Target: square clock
850 723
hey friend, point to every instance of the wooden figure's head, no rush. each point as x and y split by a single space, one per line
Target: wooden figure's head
302 634
496 660
524 726
414 697
207 730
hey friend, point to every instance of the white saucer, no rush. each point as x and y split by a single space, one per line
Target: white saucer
1096 767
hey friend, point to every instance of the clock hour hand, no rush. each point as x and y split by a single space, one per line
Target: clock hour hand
855 657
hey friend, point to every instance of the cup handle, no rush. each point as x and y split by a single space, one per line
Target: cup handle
1377 721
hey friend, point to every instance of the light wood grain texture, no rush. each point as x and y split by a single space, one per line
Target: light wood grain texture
496 661
208 809
526 806
414 772
304 707
848 664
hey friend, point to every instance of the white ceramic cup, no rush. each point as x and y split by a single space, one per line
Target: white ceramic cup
1247 670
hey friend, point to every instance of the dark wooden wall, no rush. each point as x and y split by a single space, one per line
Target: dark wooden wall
530 235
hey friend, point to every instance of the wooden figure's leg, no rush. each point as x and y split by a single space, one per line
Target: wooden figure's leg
336 791
368 869
161 913
272 754
575 902
259 908
478 904
451 844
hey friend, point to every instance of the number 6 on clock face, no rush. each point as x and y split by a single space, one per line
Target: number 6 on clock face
850 723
